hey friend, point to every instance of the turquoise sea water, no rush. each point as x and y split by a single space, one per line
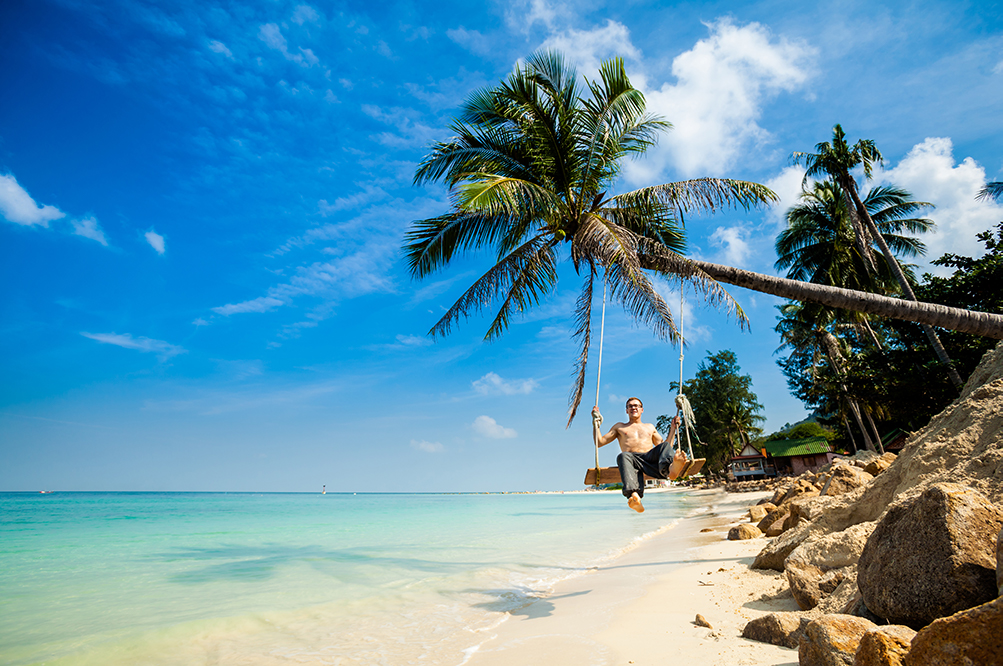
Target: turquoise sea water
261 579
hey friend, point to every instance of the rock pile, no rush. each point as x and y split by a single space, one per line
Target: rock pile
897 561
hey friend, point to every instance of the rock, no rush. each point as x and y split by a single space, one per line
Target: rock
832 640
931 556
776 527
758 512
801 488
973 636
884 646
816 567
880 464
774 554
999 563
846 478
707 529
701 621
785 629
743 531
771 515
842 599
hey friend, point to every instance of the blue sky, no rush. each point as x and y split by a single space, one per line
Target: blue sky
202 203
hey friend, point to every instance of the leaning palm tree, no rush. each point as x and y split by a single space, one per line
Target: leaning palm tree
836 160
530 170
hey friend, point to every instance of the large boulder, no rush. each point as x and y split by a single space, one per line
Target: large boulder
800 488
845 478
774 554
999 563
931 556
832 640
971 637
884 646
778 515
784 628
817 566
743 531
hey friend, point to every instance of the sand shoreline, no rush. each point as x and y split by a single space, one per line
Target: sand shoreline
640 608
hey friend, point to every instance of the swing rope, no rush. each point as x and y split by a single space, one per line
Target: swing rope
683 407
595 419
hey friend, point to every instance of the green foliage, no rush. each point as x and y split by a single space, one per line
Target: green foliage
529 171
902 383
725 407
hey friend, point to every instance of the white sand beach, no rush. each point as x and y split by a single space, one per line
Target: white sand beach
640 609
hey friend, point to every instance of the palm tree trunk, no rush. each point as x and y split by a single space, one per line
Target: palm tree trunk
931 334
877 435
955 319
846 424
855 410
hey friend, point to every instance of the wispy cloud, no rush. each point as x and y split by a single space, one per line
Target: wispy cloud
427 447
272 36
586 48
413 340
89 227
493 384
18 207
155 240
260 304
163 350
488 427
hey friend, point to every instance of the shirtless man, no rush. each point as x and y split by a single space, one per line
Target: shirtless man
643 451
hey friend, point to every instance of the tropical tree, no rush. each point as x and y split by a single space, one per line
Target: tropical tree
819 243
725 408
530 170
836 160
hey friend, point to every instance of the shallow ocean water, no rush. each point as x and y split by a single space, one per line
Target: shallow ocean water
283 578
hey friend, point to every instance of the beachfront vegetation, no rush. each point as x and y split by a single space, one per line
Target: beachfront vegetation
896 379
725 409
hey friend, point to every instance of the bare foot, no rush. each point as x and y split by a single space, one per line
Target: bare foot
634 502
678 465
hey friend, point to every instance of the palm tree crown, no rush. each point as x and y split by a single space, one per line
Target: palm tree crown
819 243
530 169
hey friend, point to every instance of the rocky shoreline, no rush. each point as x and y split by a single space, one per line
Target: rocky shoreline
894 560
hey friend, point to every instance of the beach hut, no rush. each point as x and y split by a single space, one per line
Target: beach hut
751 463
795 456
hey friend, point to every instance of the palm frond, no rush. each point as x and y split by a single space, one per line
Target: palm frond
992 191
583 334
528 273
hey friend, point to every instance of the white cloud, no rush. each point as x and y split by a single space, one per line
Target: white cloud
164 350
491 383
929 172
488 427
722 83
155 240
413 340
219 47
304 13
786 185
522 15
272 36
586 48
472 40
732 243
89 228
260 304
427 447
410 133
370 193
18 207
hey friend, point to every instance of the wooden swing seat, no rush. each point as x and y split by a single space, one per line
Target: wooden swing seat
612 474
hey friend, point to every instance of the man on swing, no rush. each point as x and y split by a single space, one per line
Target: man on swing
643 451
